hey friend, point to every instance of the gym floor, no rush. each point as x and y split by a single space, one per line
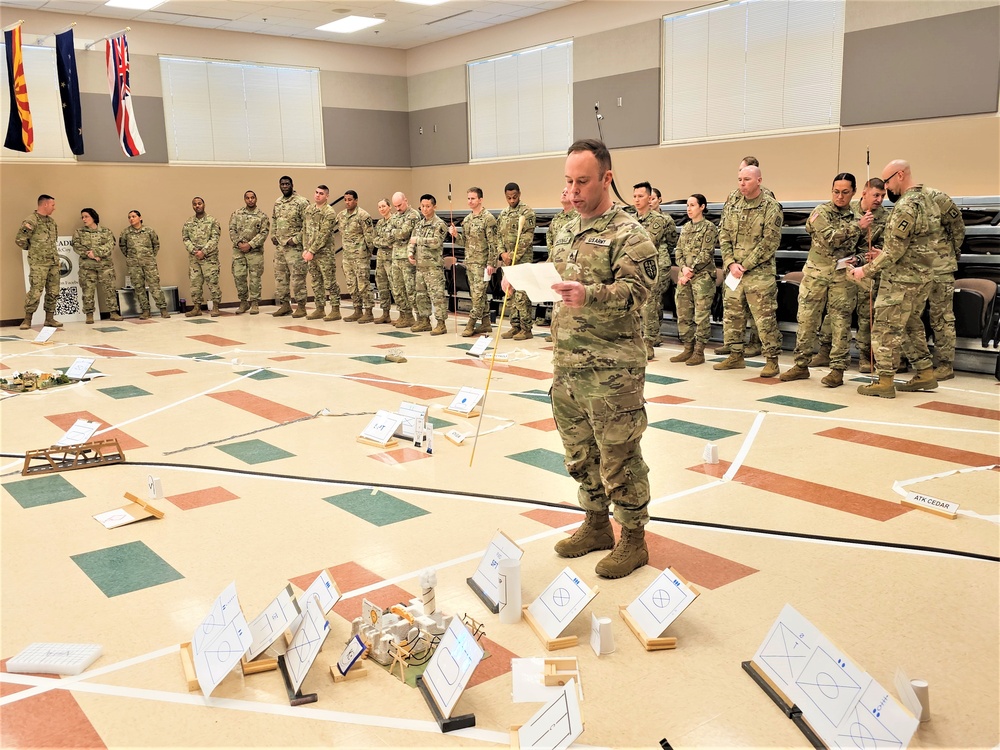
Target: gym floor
250 423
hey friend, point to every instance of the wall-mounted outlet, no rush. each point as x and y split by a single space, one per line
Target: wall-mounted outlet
420 131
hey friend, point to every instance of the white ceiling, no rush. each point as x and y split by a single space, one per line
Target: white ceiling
406 25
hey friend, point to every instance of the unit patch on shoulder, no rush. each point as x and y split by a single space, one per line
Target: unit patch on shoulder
649 267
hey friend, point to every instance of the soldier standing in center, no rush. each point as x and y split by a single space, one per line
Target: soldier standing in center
95 245
404 277
201 240
749 236
358 235
286 236
37 235
382 239
662 232
248 229
140 244
425 250
318 226
479 238
516 249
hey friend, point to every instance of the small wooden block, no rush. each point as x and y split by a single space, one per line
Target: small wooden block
391 443
473 413
515 741
258 665
551 644
931 505
356 672
650 644
144 505
187 663
560 670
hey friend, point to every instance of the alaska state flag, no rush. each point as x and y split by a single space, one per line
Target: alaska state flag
69 90
116 54
20 133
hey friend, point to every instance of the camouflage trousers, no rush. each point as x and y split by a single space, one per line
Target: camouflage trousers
357 269
145 275
601 415
383 264
522 312
478 290
694 308
323 270
201 272
430 289
289 276
248 268
897 327
651 315
754 334
42 277
835 292
90 277
758 292
404 279
942 313
863 304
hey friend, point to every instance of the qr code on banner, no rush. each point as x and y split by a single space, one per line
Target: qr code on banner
68 302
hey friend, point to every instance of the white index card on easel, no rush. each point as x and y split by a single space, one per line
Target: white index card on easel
306 642
220 656
325 591
354 650
501 547
410 414
382 427
480 347
661 603
451 666
465 400
81 431
556 725
80 367
561 601
225 607
276 617
44 335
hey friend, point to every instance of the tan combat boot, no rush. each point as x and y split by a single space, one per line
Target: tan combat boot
194 312
439 329
50 320
244 307
300 310
884 388
317 314
355 314
833 379
822 357
90 319
117 317
770 368
697 356
864 365
405 320
422 324
752 349
510 332
733 362
366 316
724 349
523 335
797 372
484 327
215 312
163 314
943 371
26 323
254 309
285 309
334 314
629 555
384 317
924 380
145 315
470 329
649 351
685 353
594 534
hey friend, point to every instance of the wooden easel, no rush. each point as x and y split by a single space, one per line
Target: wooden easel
390 443
358 671
69 457
557 671
187 664
466 414
551 644
661 643
258 665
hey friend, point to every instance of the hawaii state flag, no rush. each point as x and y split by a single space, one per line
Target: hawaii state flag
116 54
20 134
69 90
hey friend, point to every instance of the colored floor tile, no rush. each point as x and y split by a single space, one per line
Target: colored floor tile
464 347
484 364
286 358
109 329
202 355
912 447
201 498
397 334
545 425
254 451
385 346
262 375
161 373
763 381
67 420
125 568
107 351
668 400
439 424
692 429
966 411
555 518
400 456
371 359
199 321
308 344
262 407
703 568
535 395
542 458
420 392
378 508
31 493
216 340
662 379
123 391
310 331
802 403
497 665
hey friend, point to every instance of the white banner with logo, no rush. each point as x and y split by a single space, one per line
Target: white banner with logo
69 306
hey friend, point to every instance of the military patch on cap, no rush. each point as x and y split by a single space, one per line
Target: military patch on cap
649 267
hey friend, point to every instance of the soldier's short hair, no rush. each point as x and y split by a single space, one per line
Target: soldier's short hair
597 148
251 193
352 193
476 190
93 214
511 186
285 177
324 188
645 185
848 177
43 197
429 197
876 182
751 161
700 198
658 193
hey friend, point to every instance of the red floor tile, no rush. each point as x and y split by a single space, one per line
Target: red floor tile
967 411
286 358
484 364
310 331
545 425
106 350
65 421
668 400
160 373
262 407
698 566
201 498
913 447
410 390
400 456
497 665
555 518
215 340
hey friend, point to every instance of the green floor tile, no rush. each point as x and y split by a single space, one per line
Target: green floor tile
535 395
200 321
662 379
541 458
124 391
10 337
201 355
263 375
125 568
308 344
109 329
371 359
30 493
397 334
691 429
463 347
439 424
254 451
802 403
379 509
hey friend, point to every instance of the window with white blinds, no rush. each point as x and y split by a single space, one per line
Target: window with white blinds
42 81
522 103
233 112
754 66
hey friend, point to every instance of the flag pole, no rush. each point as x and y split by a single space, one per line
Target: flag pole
55 33
109 36
13 26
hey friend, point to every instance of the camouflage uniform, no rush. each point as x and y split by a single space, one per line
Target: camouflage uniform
101 242
599 362
835 233
358 235
37 234
948 246
403 274
318 226
754 335
696 250
430 287
248 267
289 267
522 313
203 234
663 232
749 235
906 263
479 237
140 246
556 224
382 239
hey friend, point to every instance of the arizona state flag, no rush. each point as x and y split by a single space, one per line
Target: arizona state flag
69 90
20 134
